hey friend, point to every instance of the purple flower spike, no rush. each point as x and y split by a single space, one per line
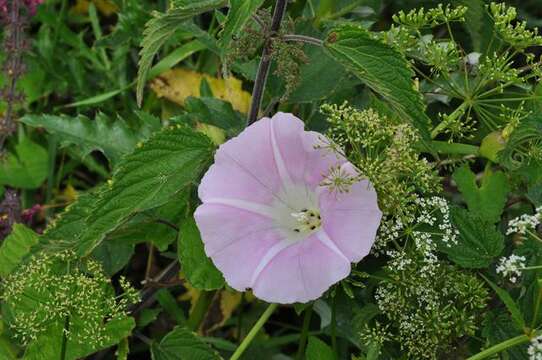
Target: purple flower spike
282 214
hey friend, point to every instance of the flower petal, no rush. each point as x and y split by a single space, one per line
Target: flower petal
300 273
244 168
298 157
236 240
351 219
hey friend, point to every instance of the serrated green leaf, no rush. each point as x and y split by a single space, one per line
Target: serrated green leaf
65 231
199 269
238 15
215 112
478 243
510 304
488 200
322 70
318 350
479 25
16 247
182 344
26 168
382 68
160 28
114 138
166 164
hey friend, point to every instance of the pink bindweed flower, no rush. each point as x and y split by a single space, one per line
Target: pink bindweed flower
284 215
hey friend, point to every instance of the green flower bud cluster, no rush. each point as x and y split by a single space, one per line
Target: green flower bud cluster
58 288
384 152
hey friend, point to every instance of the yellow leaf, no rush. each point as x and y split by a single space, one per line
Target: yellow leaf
106 7
178 84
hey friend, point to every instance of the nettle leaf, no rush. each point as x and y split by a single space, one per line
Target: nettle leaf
160 28
318 350
166 164
322 70
198 268
16 247
114 138
26 168
238 15
478 243
65 231
380 67
488 200
181 344
215 112
49 344
510 304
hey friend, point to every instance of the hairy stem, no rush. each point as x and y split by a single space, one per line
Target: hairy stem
253 332
265 62
303 39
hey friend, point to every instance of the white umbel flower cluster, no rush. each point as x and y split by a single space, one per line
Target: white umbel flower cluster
511 267
524 223
535 349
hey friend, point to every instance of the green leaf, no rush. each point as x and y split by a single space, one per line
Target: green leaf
318 350
199 269
49 344
510 304
480 26
215 112
160 28
166 164
16 247
65 230
478 243
27 168
382 68
176 57
322 70
182 344
113 255
238 15
8 351
488 200
114 138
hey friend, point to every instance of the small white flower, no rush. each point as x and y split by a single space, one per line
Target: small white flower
511 267
535 349
525 222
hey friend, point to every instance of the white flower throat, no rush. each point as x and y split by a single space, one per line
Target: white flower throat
307 220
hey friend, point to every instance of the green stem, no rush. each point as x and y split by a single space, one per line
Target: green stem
518 340
304 332
252 333
444 123
334 324
536 308
197 315
65 339
444 147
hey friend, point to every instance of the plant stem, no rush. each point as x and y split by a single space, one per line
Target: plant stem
304 332
254 331
303 39
200 309
444 147
536 308
65 338
334 324
265 62
518 340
